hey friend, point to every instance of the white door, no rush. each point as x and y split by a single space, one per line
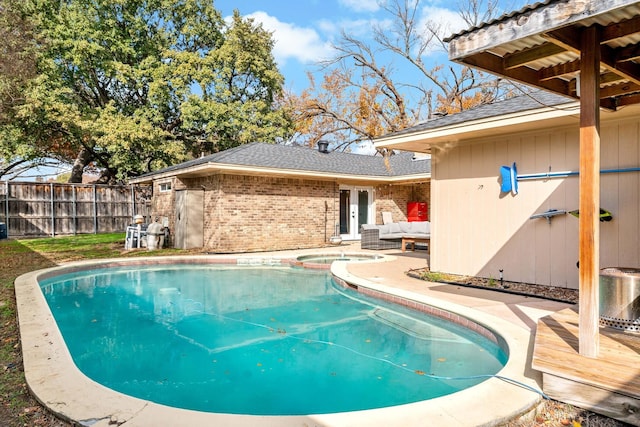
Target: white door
356 208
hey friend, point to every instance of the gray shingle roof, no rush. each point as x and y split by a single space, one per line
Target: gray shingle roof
532 101
296 158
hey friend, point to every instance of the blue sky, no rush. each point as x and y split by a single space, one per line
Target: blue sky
305 29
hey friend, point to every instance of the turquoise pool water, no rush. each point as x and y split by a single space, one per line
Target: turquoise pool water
258 340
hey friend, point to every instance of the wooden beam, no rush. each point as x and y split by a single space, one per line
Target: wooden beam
567 38
494 64
609 78
525 56
611 59
620 29
619 89
628 53
628 70
628 100
605 78
559 70
610 104
589 231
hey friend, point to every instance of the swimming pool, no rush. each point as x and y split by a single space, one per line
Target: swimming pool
53 377
258 340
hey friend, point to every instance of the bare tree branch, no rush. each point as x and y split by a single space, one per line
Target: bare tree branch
363 91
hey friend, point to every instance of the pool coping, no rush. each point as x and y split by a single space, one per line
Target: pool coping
58 384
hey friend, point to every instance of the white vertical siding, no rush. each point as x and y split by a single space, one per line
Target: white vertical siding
476 230
629 198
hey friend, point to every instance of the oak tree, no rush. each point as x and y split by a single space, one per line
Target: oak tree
129 86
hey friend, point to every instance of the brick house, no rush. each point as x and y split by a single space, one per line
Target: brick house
259 196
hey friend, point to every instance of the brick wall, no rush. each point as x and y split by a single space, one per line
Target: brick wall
163 202
253 213
394 199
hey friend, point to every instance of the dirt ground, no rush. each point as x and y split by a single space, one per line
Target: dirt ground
548 292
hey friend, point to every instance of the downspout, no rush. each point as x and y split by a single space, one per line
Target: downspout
219 209
326 210
336 199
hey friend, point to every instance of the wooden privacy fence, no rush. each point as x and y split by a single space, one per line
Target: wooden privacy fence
41 209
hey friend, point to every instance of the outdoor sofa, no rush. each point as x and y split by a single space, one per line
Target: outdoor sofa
394 235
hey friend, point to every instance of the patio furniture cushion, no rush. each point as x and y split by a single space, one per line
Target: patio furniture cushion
389 236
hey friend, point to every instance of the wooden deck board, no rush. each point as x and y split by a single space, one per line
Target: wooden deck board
615 370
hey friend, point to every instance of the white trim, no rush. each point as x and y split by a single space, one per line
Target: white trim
167 186
353 220
458 130
212 167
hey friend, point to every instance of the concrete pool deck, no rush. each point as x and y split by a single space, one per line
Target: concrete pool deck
56 382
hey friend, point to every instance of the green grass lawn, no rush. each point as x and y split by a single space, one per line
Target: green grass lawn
17 406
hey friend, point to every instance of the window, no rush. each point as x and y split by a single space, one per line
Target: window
165 186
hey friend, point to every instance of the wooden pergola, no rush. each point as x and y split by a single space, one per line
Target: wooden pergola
585 49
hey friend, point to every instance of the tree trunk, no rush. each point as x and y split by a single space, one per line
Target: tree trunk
83 158
106 177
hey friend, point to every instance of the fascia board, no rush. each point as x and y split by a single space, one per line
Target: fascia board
465 129
211 168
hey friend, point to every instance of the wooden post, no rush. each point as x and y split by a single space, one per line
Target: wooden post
95 210
75 209
52 203
589 341
6 206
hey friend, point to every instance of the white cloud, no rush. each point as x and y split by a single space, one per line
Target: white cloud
293 42
361 5
448 20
